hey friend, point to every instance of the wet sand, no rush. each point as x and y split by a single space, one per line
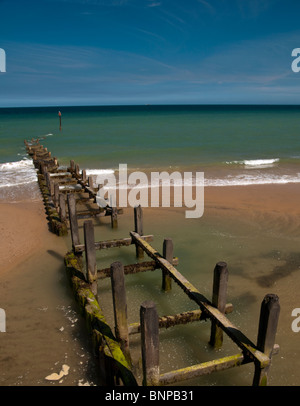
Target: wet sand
44 332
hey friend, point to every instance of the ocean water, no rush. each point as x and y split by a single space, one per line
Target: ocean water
232 145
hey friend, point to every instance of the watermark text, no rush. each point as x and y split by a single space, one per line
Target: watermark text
157 189
2 61
296 62
2 321
296 323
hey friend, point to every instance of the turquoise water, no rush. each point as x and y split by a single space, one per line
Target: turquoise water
232 145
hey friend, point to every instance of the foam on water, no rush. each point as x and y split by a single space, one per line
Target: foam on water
17 173
255 163
144 180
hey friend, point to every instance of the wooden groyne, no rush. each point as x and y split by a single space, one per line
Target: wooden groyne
150 323
56 183
112 343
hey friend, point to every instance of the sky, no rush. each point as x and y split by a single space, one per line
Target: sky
136 52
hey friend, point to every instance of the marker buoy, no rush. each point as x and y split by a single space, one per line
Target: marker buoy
59 115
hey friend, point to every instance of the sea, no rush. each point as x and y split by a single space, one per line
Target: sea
232 145
239 145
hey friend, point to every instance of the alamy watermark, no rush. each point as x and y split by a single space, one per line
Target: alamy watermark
296 62
2 61
152 190
2 321
296 323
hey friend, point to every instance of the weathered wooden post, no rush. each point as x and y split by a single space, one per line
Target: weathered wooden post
48 181
73 220
268 321
120 307
77 170
150 343
114 217
62 207
42 168
138 228
72 166
91 182
56 194
219 299
90 256
51 190
84 175
168 255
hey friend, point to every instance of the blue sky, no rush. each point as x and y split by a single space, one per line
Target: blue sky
109 52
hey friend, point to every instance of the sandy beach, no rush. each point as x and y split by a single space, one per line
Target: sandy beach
23 228
41 317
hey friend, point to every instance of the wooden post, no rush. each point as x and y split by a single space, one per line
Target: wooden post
219 299
114 217
150 343
77 170
91 182
120 307
138 228
83 175
51 190
268 321
42 168
72 166
90 255
56 194
62 206
48 181
168 255
73 220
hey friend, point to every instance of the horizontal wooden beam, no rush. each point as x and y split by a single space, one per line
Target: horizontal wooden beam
209 311
134 268
123 242
206 368
176 319
201 369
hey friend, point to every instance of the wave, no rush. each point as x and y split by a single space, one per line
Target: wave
99 172
245 179
255 163
17 173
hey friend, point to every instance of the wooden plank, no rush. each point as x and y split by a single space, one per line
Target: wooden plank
123 242
134 268
201 369
233 332
176 319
